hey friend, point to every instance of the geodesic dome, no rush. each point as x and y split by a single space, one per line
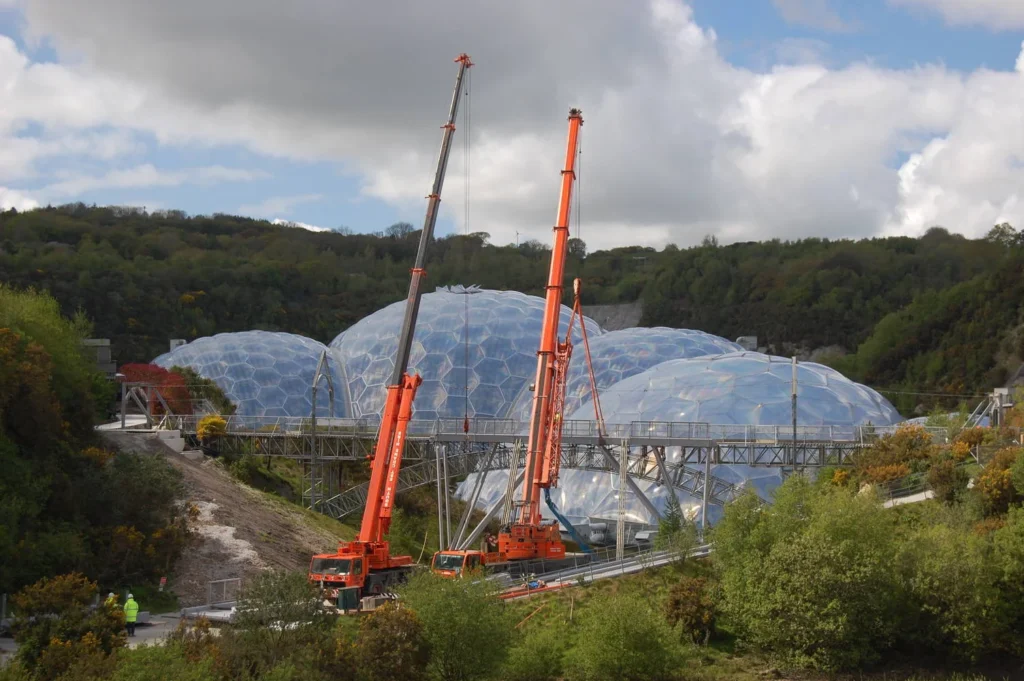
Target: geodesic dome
265 373
617 355
743 388
738 388
491 359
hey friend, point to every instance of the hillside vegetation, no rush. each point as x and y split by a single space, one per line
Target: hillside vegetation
934 314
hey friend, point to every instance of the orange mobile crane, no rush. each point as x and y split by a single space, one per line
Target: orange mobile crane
528 539
366 564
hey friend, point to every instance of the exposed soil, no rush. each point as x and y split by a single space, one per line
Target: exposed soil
240 530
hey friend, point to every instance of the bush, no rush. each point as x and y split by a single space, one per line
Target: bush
995 483
56 625
947 479
953 584
691 607
245 469
537 656
895 451
210 428
279 614
465 624
812 577
391 646
620 637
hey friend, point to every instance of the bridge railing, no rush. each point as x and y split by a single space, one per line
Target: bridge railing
636 431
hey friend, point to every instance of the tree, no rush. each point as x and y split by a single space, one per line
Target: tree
399 230
56 625
278 613
620 637
674 533
202 388
465 624
1004 234
391 646
811 577
577 248
691 607
956 605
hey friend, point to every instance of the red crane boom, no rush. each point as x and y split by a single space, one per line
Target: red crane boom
381 569
528 537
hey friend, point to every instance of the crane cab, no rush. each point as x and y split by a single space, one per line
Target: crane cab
336 571
457 563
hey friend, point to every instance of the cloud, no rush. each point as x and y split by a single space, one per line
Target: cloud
147 175
299 225
277 204
678 143
818 14
12 198
998 15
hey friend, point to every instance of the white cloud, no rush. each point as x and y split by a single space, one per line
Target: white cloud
12 198
147 175
998 15
277 204
299 225
677 142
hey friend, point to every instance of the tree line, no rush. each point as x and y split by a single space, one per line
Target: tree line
143 278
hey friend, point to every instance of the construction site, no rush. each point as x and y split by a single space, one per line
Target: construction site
547 429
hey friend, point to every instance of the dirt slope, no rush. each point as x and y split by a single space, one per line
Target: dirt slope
241 530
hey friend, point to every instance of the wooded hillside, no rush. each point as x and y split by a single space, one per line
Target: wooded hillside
144 278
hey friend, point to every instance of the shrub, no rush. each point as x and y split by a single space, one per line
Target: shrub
620 637
56 625
811 578
210 428
909 444
537 656
690 607
391 646
995 483
953 583
245 469
464 623
947 479
279 613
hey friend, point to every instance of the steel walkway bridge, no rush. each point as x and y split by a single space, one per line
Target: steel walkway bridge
679 454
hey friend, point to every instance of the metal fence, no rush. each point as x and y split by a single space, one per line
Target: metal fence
223 591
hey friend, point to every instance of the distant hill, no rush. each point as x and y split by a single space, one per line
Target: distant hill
949 304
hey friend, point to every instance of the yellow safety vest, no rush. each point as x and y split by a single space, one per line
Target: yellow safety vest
131 610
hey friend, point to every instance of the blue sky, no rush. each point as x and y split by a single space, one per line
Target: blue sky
755 34
145 154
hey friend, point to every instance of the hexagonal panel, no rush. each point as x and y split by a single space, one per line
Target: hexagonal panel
742 388
503 335
264 373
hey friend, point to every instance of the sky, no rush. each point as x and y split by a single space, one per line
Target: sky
742 119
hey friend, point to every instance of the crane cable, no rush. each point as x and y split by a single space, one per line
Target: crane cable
467 158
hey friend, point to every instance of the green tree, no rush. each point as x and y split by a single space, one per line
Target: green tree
465 624
391 646
811 578
279 613
953 585
620 637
